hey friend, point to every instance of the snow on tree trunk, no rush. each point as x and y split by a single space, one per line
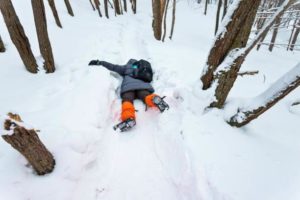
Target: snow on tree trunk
133 6
27 142
18 36
234 34
2 47
269 98
42 34
54 11
227 73
69 8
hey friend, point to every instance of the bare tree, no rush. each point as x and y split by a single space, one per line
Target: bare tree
218 16
275 93
173 19
157 19
227 74
295 36
133 5
97 3
236 36
225 8
27 142
69 8
92 5
125 5
18 36
2 47
42 34
55 14
205 8
117 7
106 8
165 20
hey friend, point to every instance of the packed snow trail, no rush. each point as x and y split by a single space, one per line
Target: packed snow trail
148 162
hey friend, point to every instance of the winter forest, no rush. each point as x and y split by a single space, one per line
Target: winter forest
217 119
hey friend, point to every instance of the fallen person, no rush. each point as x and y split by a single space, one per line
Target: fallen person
136 84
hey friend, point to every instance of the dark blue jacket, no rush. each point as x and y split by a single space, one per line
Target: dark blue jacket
129 83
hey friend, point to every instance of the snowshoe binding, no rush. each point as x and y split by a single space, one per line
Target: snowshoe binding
125 125
160 103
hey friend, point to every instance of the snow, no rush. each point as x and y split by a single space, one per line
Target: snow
186 153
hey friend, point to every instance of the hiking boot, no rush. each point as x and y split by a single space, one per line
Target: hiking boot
125 125
160 103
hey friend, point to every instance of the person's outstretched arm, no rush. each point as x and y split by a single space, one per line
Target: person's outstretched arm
120 69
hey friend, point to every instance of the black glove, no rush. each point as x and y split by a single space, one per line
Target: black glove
95 62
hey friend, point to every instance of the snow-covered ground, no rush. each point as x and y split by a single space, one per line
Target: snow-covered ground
185 153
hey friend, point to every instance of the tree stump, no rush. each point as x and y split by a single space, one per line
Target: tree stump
27 142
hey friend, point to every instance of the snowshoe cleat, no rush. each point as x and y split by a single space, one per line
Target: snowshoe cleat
125 125
160 103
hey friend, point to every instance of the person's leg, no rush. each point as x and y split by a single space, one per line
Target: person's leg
128 110
142 94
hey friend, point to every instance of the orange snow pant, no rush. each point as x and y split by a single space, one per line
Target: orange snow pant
128 110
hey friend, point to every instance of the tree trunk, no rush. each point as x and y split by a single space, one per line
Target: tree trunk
125 5
275 93
42 34
226 76
235 35
2 47
274 35
173 19
133 6
165 20
295 37
218 16
18 36
97 4
70 10
106 8
117 7
92 5
225 8
157 19
30 146
205 8
54 11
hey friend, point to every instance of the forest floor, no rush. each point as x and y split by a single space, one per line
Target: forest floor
186 153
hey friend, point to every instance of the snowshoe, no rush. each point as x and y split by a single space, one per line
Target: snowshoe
125 125
160 103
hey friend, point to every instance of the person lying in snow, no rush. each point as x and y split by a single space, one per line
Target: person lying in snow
137 76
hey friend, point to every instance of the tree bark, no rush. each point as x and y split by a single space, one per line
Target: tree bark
274 35
69 8
18 36
272 95
235 35
2 47
54 11
106 8
226 76
30 146
165 20
173 19
42 34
